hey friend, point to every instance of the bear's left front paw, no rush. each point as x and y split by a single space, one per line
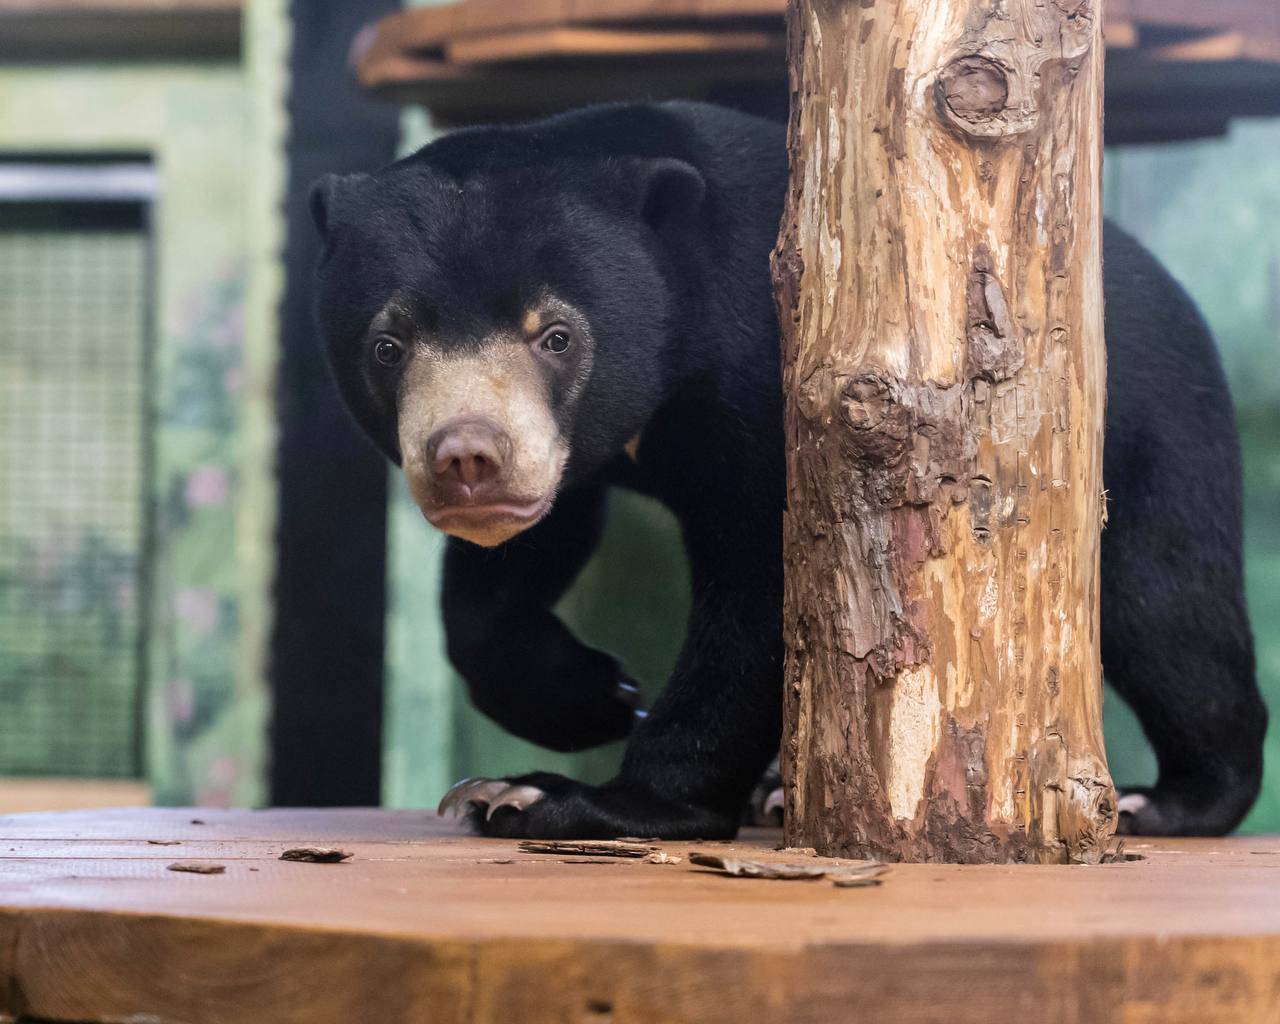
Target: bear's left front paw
547 806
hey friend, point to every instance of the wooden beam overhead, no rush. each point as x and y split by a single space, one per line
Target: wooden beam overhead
1249 15
120 8
1220 46
608 42
479 60
120 29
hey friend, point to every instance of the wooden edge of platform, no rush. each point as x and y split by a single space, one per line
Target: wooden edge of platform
428 923
149 967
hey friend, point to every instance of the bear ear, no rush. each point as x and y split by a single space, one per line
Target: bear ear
327 197
672 192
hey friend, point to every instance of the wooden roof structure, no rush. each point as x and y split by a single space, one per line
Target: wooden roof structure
1176 68
149 29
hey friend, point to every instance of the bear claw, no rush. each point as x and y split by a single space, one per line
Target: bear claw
518 797
490 793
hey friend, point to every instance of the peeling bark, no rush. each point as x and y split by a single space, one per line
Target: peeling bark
939 283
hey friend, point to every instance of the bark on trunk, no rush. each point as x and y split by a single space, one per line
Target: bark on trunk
940 284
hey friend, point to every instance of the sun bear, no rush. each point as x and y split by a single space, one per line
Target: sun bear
525 317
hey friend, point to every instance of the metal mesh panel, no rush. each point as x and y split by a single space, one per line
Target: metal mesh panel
73 328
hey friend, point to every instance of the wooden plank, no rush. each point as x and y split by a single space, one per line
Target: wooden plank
427 924
79 29
1146 101
1220 46
405 54
471 94
1249 15
497 15
432 26
416 28
117 7
585 10
601 42
31 794
1120 34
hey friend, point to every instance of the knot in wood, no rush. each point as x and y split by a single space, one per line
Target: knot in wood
880 425
974 89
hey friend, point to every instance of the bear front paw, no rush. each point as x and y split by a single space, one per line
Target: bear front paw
547 806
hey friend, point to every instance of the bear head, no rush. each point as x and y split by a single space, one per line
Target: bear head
503 314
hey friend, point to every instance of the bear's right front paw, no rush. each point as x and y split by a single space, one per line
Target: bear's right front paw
547 806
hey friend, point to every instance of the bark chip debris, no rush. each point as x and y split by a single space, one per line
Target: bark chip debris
195 868
316 855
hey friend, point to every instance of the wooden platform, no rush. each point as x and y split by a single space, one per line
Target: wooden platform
19 795
426 925
1175 68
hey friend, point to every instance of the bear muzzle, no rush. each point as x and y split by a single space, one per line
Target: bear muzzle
468 488
469 457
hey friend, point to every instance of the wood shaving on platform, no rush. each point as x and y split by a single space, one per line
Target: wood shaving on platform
844 875
858 877
662 857
316 855
1117 855
860 881
586 847
196 868
164 842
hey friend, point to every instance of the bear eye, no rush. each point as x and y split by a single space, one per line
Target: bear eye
556 341
388 351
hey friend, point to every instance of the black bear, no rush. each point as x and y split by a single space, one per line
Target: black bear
525 317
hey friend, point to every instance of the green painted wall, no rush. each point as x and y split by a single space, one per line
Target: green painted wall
206 703
1209 209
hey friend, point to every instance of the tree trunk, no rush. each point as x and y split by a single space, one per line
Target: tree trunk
940 285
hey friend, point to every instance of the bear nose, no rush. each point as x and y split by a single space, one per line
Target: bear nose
468 453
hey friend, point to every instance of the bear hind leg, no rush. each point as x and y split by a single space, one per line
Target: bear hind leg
1182 657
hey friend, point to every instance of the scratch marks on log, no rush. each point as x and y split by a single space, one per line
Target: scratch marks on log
996 349
981 509
1073 797
788 269
956 825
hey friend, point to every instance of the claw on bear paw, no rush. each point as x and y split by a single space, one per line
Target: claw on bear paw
490 794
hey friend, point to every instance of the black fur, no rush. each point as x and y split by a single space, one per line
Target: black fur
657 221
